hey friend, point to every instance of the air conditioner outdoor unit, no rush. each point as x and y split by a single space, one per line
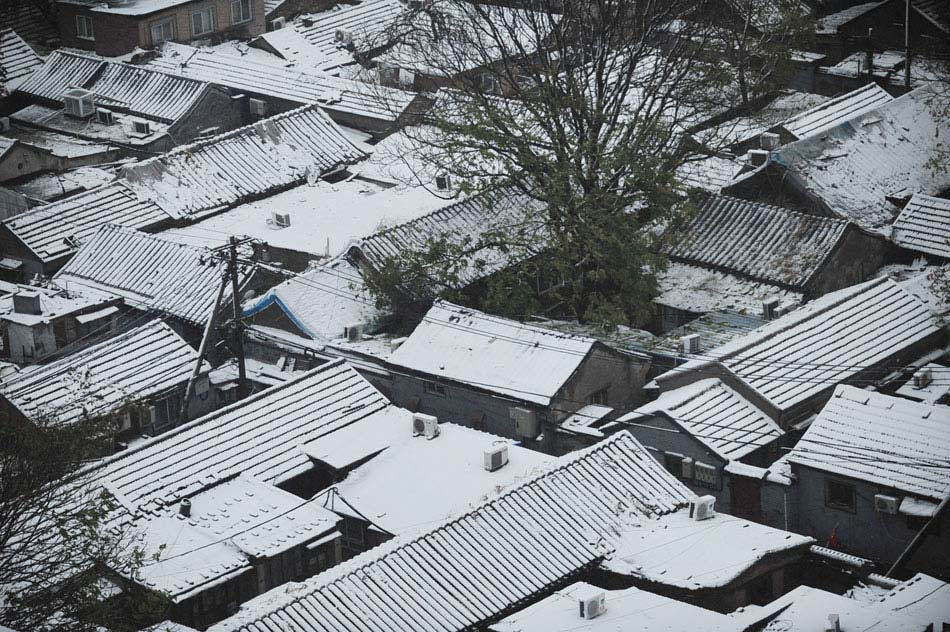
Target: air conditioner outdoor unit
526 422
79 103
770 308
343 36
593 606
885 504
690 344
406 77
702 508
125 421
923 378
104 116
425 425
496 457
278 23
141 127
354 332
258 107
443 182
281 220
704 473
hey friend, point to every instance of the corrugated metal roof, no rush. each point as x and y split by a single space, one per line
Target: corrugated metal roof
269 155
61 70
17 59
101 379
924 226
886 440
837 111
472 568
146 92
148 272
761 241
57 229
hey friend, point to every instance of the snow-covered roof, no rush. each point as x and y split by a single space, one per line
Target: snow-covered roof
771 116
709 174
836 111
630 610
416 483
923 598
56 230
59 145
281 80
468 570
149 273
252 161
699 289
17 60
492 353
760 241
924 226
101 379
888 441
934 11
714 330
54 303
131 7
61 70
716 415
828 341
830 24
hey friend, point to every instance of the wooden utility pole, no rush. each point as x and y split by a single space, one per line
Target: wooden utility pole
236 328
202 349
907 44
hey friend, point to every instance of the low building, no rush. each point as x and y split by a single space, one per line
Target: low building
118 27
30 151
508 378
923 227
17 61
844 32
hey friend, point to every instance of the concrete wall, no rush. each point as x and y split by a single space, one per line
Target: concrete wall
22 161
622 376
215 108
857 257
27 343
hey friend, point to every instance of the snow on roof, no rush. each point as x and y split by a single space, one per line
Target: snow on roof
260 437
272 154
922 598
886 440
397 159
468 570
168 626
828 341
349 445
54 302
149 273
56 230
709 174
924 226
830 24
769 117
132 7
61 71
121 132
836 111
101 379
280 80
416 483
716 415
698 289
321 302
17 60
714 330
881 153
629 610
760 241
57 144
145 92
492 353
930 284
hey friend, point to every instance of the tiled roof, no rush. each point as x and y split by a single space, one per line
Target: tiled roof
17 59
760 241
56 229
886 440
486 562
147 272
837 111
924 226
32 20
252 161
716 415
830 24
103 378
60 71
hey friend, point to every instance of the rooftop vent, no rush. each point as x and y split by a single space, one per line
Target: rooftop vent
702 508
27 303
184 508
593 606
79 103
691 344
923 377
425 425
770 308
496 458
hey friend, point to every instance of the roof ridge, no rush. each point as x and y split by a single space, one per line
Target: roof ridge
513 323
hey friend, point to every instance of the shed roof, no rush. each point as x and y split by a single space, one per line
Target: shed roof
61 70
760 241
492 353
468 570
101 379
924 226
700 289
885 440
149 273
17 60
836 111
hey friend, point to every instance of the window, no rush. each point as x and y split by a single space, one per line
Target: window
839 495
489 84
84 27
599 398
433 388
202 21
674 463
240 11
163 31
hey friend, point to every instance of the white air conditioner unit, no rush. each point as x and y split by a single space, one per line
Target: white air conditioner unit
141 127
496 457
343 36
526 422
79 103
281 220
593 606
278 23
690 344
923 377
770 308
258 107
354 332
425 425
706 474
152 414
125 421
687 471
702 508
104 116
770 141
885 504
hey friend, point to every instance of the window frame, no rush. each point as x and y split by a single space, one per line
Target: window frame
209 11
170 21
431 387
87 20
599 397
834 504
240 5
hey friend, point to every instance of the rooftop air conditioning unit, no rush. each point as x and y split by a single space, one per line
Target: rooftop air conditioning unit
4 123
526 422
496 457
885 504
770 308
27 302
687 465
758 157
593 606
141 127
281 220
923 378
79 103
770 141
690 344
343 36
354 332
278 23
258 107
104 116
425 425
702 508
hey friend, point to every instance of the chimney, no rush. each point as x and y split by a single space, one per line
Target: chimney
184 508
758 157
27 303
770 308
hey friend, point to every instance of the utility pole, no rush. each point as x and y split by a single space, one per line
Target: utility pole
202 349
236 328
907 44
